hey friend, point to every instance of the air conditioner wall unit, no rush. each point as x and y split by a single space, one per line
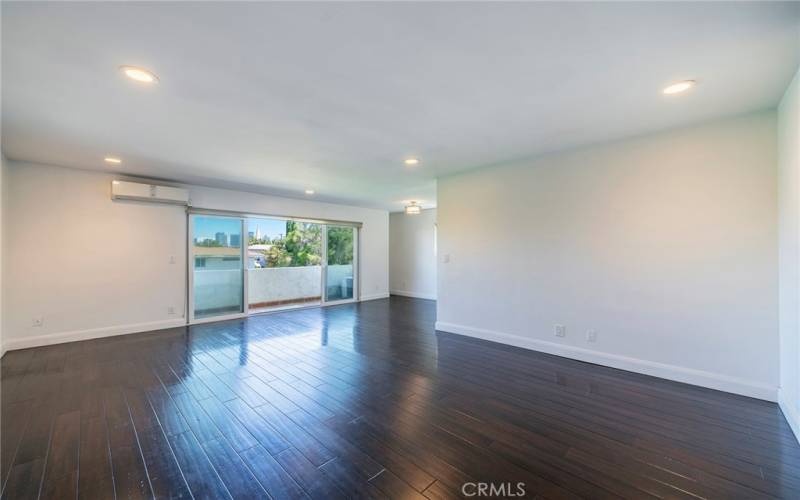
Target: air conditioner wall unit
125 190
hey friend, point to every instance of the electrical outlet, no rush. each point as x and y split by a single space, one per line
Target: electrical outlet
171 259
37 322
591 336
560 331
170 310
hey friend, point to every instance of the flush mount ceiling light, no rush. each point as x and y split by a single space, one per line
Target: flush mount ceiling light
411 161
413 208
309 191
113 160
678 87
139 74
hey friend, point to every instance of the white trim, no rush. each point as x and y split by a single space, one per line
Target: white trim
244 244
671 372
323 262
92 333
790 413
415 295
221 317
356 264
374 296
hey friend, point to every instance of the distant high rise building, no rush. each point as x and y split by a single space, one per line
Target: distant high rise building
236 240
258 233
222 239
250 234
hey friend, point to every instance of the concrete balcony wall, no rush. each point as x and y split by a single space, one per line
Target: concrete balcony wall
339 280
220 288
274 284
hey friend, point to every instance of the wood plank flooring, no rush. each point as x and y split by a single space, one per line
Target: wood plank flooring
368 401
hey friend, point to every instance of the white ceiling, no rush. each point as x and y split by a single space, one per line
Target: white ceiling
280 97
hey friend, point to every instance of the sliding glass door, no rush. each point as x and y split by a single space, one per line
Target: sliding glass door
241 265
341 244
216 277
284 264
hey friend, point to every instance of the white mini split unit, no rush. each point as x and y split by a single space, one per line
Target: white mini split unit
137 191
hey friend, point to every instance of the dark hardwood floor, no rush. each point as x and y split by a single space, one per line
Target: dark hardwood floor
362 401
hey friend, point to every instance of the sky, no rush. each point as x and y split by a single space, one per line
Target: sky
268 227
208 227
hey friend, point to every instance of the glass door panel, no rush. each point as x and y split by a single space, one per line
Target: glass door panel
284 264
217 266
340 275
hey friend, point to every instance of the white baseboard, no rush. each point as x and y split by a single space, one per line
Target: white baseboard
671 372
93 333
790 413
415 295
374 296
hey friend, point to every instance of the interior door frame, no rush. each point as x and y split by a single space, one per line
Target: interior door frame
190 266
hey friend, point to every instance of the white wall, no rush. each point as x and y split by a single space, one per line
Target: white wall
92 267
412 259
789 227
666 245
3 200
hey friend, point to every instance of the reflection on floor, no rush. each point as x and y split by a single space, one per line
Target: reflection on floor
366 400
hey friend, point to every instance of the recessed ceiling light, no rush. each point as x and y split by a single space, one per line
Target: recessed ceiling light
411 161
139 74
678 87
309 191
111 159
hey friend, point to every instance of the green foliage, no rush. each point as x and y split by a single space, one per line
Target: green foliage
208 243
302 246
340 245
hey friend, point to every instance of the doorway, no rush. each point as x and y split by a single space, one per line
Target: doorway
242 265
